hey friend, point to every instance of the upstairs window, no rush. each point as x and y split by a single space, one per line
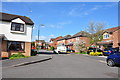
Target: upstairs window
68 40
106 36
51 41
17 27
77 38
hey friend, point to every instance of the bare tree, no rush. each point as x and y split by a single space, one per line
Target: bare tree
95 31
79 46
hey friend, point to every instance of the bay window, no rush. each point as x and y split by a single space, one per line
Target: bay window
15 46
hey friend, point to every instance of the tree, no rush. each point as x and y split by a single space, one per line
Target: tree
79 46
33 44
95 31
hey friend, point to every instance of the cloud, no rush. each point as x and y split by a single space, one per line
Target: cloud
42 26
46 38
59 25
83 11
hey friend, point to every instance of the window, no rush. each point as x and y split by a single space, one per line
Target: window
51 41
106 36
15 46
17 27
68 40
77 38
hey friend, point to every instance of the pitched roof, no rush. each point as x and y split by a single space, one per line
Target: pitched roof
65 37
55 39
52 39
9 17
113 29
81 33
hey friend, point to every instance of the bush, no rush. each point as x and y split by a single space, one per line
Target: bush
52 48
96 53
17 56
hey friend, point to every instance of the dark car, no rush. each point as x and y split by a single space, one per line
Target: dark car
33 52
113 59
93 50
109 51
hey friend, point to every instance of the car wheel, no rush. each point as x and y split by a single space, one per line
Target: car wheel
88 53
110 63
54 51
58 52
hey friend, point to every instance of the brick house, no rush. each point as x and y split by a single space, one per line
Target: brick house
69 40
76 37
15 34
40 43
53 41
64 40
111 38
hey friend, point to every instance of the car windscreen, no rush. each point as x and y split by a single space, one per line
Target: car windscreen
115 49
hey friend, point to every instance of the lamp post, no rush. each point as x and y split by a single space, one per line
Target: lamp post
39 33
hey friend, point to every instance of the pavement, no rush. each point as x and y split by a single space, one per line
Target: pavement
24 61
46 51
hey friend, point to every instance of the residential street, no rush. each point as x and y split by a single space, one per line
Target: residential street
64 66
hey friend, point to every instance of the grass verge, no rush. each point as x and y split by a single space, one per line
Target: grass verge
80 53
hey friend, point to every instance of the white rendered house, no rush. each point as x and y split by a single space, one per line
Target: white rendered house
15 34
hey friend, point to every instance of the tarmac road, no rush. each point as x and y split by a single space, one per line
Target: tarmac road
64 66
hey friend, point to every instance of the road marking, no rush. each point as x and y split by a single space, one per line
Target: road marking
102 61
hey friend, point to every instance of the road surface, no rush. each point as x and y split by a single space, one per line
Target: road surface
64 66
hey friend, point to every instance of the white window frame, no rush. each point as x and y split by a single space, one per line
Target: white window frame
12 31
77 38
106 36
68 40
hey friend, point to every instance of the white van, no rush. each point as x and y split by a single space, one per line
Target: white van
60 49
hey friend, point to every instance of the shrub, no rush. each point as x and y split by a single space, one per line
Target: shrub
96 53
52 48
17 56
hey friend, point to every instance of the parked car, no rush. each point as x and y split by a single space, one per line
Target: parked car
113 59
109 51
33 52
70 50
93 50
61 49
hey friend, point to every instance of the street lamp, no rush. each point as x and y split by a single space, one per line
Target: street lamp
41 25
